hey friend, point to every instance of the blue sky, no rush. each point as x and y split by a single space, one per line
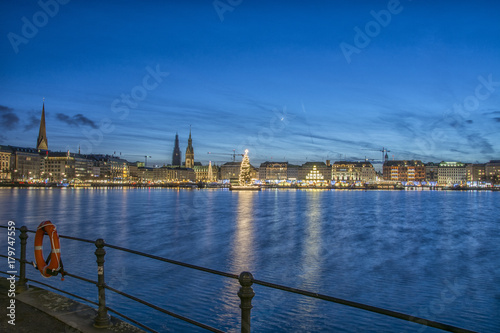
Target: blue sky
288 80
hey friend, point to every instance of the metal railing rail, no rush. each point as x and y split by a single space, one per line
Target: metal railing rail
83 299
245 293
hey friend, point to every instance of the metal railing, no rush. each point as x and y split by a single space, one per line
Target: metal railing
245 293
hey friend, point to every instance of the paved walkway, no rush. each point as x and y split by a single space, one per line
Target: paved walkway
40 311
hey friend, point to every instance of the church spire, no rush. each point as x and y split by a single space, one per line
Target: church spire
176 156
189 152
41 143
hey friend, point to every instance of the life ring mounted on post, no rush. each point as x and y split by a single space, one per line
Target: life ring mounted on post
53 264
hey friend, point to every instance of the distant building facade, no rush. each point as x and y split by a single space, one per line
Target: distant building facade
165 174
492 170
404 171
292 172
5 156
230 171
57 166
206 173
350 172
25 164
476 173
315 172
273 171
111 168
452 173
431 172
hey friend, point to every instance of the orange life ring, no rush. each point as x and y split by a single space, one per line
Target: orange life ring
53 265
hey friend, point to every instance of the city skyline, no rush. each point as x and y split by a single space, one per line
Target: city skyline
288 81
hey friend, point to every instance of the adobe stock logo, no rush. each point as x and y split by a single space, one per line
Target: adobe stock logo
222 6
40 19
372 29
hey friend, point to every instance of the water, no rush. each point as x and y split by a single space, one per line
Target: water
428 254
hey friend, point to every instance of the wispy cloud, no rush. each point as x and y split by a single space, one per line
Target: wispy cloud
9 119
478 142
5 108
32 122
76 120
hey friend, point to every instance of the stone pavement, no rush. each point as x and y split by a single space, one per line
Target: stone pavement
38 310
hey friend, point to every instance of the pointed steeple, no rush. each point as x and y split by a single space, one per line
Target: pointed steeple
190 142
189 152
176 156
41 143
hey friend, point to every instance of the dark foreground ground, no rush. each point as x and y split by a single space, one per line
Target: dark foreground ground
39 311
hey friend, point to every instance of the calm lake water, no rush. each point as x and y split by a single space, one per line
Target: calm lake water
429 254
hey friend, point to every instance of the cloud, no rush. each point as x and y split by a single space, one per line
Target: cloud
76 120
5 108
478 142
8 120
33 122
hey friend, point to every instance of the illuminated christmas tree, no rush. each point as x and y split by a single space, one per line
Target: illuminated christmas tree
245 176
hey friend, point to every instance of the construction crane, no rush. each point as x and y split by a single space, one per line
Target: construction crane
233 154
384 151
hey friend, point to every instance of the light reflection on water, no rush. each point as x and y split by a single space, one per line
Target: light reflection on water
243 247
398 250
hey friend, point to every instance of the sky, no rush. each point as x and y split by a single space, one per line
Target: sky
290 81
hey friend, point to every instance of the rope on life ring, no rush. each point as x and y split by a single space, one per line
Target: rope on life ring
53 265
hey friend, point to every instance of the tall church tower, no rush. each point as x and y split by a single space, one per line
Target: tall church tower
41 143
176 156
189 152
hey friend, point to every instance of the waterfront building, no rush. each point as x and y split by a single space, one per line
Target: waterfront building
5 156
176 155
476 173
189 153
368 173
206 173
41 142
351 172
186 174
133 170
25 163
315 172
145 174
452 173
165 174
292 172
492 170
111 168
431 172
58 166
404 171
273 172
230 171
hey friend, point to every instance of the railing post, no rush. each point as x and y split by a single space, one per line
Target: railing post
21 283
102 318
246 294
